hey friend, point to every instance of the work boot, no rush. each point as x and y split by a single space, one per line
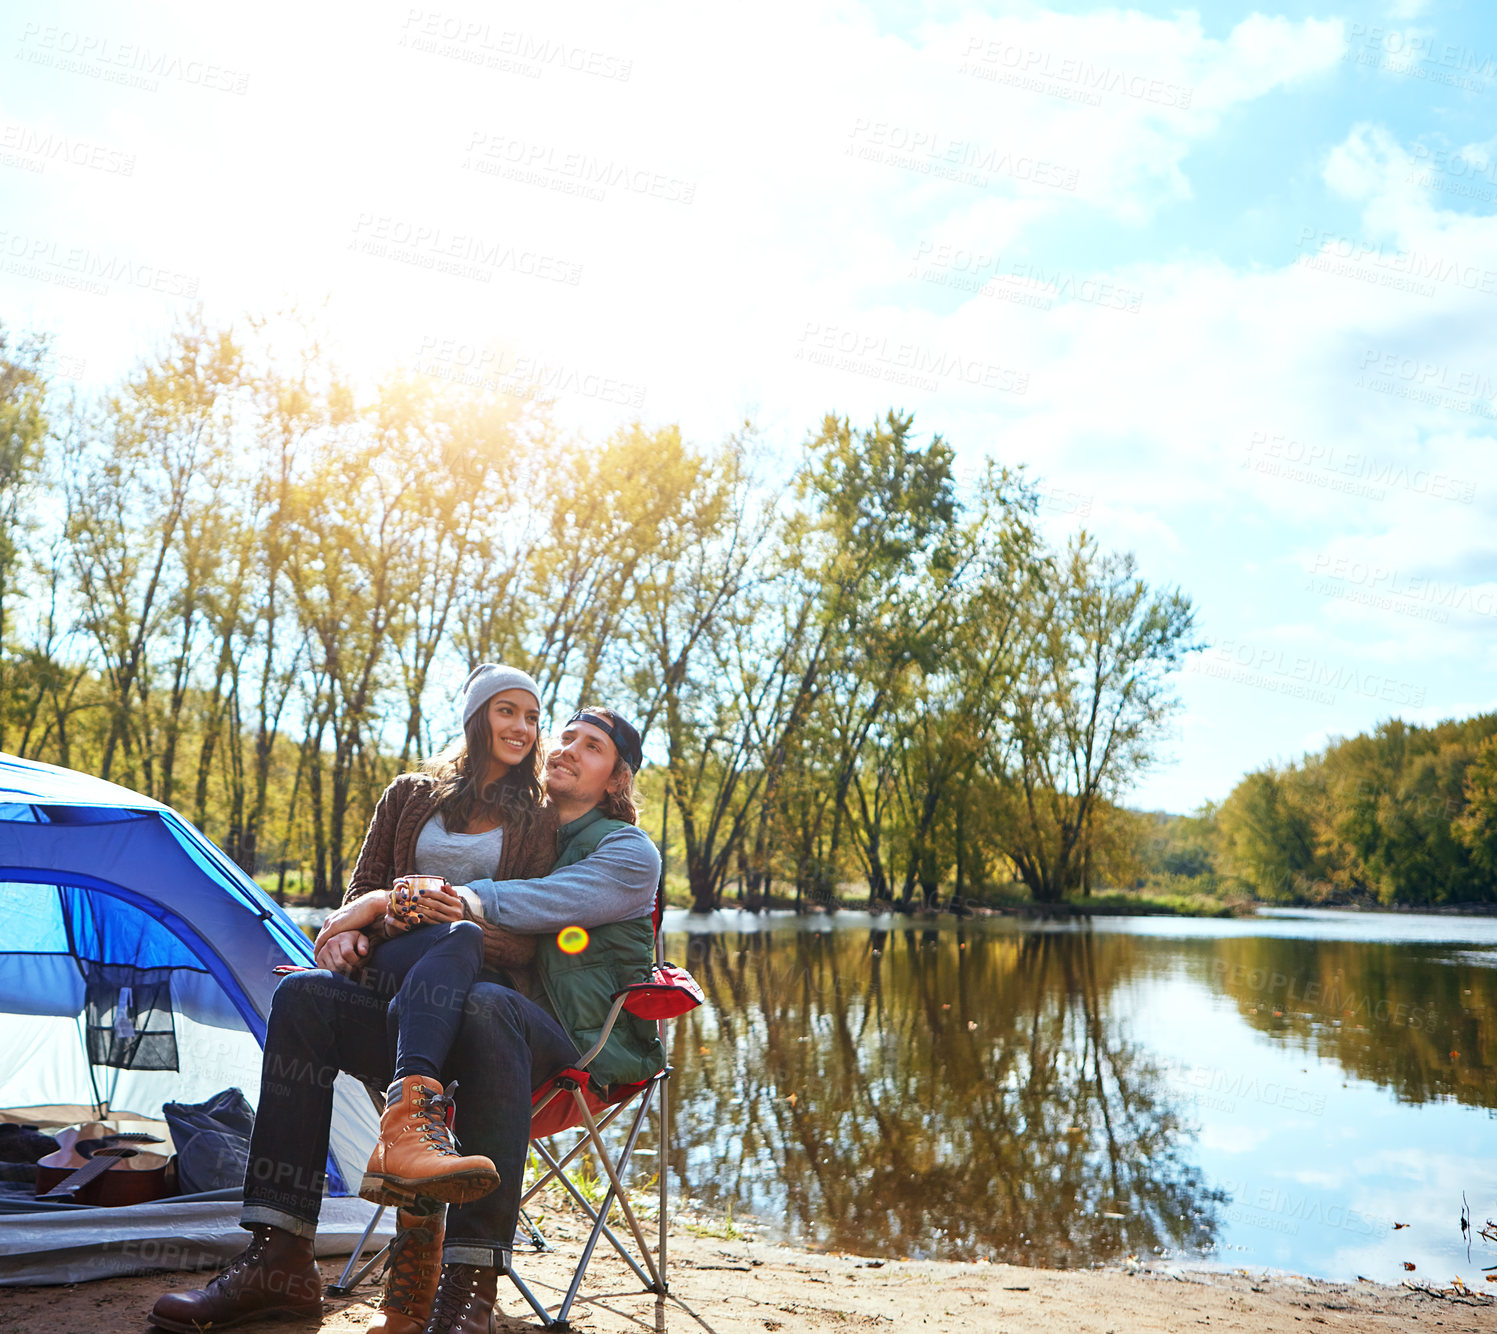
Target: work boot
276 1277
465 1301
415 1155
411 1276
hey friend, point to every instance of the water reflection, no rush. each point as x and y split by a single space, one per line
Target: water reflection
959 1094
1399 1015
1311 1092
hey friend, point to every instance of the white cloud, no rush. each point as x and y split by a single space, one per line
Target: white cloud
1148 395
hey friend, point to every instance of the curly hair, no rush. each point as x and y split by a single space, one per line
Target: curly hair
512 800
622 801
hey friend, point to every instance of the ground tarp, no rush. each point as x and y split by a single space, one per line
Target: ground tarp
197 1235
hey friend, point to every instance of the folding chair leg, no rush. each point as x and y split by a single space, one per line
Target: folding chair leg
618 1186
554 1165
344 1285
542 1314
580 1200
662 1164
616 1191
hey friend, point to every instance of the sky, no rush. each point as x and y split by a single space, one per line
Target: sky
1223 280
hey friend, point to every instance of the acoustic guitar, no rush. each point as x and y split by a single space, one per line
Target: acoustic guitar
103 1169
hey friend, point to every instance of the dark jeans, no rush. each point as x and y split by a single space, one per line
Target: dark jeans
320 1023
432 968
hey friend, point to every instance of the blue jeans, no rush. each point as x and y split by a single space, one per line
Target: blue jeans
431 970
321 1022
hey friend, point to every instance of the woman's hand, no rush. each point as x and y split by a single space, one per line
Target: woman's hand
440 905
342 951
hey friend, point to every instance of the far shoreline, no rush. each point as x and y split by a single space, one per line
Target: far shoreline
1107 905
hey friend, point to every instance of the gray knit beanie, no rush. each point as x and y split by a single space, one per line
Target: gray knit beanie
487 680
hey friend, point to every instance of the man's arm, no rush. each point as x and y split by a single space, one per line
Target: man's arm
613 884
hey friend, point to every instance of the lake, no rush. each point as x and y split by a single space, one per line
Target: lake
1281 1091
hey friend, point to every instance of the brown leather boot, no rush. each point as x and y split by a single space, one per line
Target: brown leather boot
415 1156
465 1301
411 1277
276 1277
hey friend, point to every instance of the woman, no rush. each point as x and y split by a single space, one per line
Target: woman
474 813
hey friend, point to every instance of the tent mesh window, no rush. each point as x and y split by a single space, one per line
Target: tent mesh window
128 1017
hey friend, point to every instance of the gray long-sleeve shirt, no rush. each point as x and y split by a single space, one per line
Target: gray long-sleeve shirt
614 883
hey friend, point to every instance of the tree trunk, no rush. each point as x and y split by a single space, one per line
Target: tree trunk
699 877
319 825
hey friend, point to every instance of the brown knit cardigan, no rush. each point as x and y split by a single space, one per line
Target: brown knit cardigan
390 850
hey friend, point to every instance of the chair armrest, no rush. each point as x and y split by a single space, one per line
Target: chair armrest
670 993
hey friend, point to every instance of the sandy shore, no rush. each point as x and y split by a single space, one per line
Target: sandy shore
724 1287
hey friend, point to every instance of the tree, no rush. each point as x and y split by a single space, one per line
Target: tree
963 678
1095 696
873 531
1477 826
23 433
460 454
687 604
1267 836
132 471
347 572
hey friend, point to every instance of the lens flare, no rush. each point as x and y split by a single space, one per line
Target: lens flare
572 940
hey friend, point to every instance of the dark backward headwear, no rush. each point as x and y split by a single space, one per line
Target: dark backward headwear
625 738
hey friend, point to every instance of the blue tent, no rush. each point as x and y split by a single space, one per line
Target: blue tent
135 969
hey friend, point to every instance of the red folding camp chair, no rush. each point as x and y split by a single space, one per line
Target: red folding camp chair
568 1101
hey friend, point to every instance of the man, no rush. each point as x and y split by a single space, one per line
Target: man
604 881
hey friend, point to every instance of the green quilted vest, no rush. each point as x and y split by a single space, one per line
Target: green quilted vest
581 986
